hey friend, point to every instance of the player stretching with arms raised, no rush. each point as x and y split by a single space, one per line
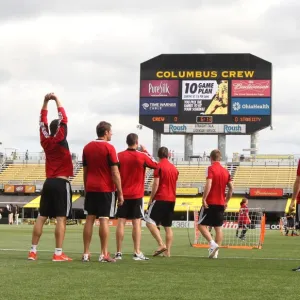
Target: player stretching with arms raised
56 197
214 202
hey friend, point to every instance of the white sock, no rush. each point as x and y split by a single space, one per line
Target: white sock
212 243
33 248
58 251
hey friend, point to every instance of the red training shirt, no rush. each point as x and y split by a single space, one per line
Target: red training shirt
98 156
56 148
133 165
298 174
168 176
220 178
243 214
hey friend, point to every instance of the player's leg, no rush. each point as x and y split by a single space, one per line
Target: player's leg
153 218
120 237
62 202
136 213
91 210
44 211
167 224
104 235
122 215
244 230
107 206
169 240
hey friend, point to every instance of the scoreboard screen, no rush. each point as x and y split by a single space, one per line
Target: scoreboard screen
205 93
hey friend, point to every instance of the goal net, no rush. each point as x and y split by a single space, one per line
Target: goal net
235 234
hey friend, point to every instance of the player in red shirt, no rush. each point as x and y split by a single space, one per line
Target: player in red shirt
56 196
162 202
101 177
214 202
243 219
132 167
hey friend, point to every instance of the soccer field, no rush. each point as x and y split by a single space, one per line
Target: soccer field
189 274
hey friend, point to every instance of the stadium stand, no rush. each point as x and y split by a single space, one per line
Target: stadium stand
23 173
265 176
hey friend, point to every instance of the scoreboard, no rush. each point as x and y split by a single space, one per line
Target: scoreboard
206 93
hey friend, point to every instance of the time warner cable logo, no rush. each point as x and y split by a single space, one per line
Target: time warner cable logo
177 128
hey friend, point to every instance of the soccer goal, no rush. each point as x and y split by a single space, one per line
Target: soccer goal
238 236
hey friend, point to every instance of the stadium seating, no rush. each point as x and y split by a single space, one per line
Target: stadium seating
78 179
265 176
25 173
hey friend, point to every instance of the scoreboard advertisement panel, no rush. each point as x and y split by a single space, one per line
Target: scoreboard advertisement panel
206 93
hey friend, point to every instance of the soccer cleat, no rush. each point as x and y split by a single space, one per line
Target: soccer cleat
140 256
32 255
242 238
86 258
118 255
216 254
61 257
212 250
296 269
106 258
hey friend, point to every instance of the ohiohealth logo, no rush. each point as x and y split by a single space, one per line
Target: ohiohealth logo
236 106
145 106
177 128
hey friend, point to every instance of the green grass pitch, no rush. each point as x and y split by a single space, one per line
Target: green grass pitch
189 274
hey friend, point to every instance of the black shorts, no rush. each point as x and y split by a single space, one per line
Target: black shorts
211 216
290 222
160 213
100 204
56 198
131 209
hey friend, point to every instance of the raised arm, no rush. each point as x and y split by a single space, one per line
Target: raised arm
44 130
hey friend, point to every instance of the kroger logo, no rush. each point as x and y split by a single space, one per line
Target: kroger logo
177 128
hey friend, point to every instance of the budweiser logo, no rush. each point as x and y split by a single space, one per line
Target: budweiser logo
163 89
251 86
244 88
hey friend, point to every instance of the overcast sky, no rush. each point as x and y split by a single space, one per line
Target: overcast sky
89 52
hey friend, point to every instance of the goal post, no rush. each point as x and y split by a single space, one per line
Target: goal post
235 235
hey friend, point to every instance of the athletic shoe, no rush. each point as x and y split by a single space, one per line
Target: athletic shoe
106 258
296 269
140 256
61 257
118 255
242 238
216 254
212 250
86 258
32 255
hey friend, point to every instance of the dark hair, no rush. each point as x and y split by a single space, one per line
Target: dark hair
102 127
53 126
132 139
244 200
215 155
163 152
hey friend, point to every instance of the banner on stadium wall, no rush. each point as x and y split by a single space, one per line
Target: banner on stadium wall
265 192
187 191
14 189
8 188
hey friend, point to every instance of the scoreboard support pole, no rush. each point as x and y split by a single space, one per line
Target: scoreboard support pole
222 145
156 143
188 146
254 143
